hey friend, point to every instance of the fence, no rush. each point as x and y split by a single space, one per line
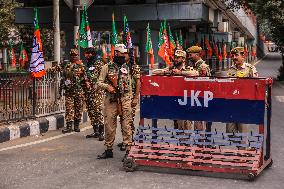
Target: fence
22 97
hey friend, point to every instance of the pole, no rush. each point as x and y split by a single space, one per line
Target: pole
5 59
76 9
56 31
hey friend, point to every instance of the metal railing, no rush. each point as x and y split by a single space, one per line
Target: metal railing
22 97
47 99
16 96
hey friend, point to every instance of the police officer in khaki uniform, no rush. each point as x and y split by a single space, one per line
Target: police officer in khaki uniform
239 69
136 84
116 79
203 70
198 64
178 67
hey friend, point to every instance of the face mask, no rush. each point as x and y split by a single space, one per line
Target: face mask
74 58
119 60
177 64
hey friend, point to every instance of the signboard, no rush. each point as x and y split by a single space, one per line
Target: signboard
203 99
87 2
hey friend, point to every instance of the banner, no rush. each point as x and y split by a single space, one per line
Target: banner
203 99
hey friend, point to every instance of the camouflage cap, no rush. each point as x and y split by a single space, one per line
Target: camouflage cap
74 52
238 50
194 49
181 53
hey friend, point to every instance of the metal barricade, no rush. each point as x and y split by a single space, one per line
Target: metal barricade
206 100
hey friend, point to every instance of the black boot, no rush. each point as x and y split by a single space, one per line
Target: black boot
95 134
76 126
101 133
68 128
107 154
125 156
123 147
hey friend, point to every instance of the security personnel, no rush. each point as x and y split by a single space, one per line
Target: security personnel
115 79
93 94
240 69
72 78
198 63
136 84
178 67
203 70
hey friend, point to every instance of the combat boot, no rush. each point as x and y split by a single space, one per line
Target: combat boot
95 134
68 128
125 155
101 133
107 154
76 126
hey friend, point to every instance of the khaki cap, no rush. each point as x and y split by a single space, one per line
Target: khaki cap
121 48
237 50
194 49
180 53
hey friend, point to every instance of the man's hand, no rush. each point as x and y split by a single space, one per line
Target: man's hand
176 72
134 102
88 84
111 89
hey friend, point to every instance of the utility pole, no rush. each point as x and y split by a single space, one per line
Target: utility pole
76 9
56 30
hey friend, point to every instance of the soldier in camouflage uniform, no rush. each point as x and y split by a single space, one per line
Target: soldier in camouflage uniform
116 79
203 70
240 69
73 75
93 94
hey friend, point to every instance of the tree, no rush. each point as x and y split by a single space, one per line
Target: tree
270 16
7 26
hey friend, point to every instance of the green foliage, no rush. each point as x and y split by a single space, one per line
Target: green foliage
8 30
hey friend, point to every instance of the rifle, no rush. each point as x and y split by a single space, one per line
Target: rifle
113 80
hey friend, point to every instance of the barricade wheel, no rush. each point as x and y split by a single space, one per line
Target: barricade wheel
251 176
129 165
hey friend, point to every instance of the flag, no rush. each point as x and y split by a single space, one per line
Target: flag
220 55
245 50
163 44
180 39
209 49
202 45
216 51
12 56
172 45
104 52
253 51
179 47
224 50
37 61
85 38
23 56
149 46
114 40
126 34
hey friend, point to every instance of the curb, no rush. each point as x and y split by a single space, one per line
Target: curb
34 127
